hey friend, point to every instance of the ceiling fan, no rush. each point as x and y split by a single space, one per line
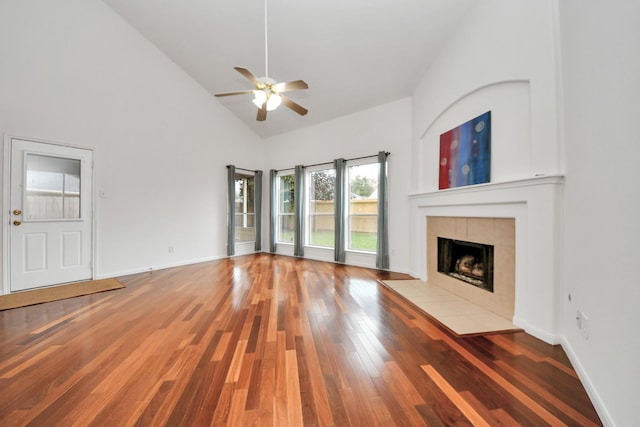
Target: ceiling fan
268 93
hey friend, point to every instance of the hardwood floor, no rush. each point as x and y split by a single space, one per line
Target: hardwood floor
267 340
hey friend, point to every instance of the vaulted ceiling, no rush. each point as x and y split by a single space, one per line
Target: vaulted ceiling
354 54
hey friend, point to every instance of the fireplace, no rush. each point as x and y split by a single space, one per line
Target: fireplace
487 280
468 262
521 219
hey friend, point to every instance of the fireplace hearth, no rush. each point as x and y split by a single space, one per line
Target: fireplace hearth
468 262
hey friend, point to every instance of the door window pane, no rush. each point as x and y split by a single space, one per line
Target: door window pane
244 208
363 207
321 229
52 189
286 209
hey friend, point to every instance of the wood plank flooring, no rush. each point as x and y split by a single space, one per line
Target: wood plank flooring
264 340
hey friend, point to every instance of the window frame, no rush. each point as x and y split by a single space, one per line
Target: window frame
243 215
308 214
279 214
348 215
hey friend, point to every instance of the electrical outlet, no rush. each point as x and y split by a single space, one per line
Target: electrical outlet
170 249
579 319
583 323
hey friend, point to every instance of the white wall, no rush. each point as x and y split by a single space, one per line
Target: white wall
383 128
502 59
601 87
581 120
73 72
509 103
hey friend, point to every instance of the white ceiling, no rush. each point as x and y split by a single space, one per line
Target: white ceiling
354 54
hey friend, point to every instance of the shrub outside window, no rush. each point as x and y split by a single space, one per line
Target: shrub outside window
321 208
362 224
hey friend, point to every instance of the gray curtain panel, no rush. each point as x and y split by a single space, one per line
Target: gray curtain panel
257 201
231 222
340 166
298 191
382 253
273 204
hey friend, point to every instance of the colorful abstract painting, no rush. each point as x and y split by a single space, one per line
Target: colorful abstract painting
465 153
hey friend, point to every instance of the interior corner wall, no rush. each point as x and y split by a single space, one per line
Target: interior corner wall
73 72
383 128
503 53
601 89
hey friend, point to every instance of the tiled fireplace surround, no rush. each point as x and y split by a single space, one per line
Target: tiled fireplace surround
486 213
498 232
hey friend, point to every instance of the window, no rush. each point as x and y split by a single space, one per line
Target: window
244 208
52 188
321 211
336 210
362 224
286 208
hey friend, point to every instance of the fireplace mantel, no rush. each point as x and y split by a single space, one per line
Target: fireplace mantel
490 187
535 204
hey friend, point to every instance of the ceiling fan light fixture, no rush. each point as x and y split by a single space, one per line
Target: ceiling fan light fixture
273 101
260 97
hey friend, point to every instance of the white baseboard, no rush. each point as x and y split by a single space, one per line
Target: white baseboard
541 334
602 411
404 271
555 339
153 268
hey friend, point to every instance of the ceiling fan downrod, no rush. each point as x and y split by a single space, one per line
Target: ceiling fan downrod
266 42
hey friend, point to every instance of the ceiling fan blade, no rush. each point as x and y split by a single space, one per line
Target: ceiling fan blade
240 92
287 86
294 106
248 75
262 113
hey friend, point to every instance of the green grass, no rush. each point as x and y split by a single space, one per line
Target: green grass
359 241
364 241
286 237
322 238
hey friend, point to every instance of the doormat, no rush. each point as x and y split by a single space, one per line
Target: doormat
55 293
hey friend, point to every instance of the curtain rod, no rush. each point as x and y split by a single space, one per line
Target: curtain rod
246 170
330 163
317 164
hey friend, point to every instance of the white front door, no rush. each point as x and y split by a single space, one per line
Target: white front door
51 214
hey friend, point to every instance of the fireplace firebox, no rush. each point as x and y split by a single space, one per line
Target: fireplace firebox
466 261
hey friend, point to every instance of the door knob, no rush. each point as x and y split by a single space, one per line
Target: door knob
16 222
17 212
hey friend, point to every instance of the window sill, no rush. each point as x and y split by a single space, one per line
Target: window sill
360 252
